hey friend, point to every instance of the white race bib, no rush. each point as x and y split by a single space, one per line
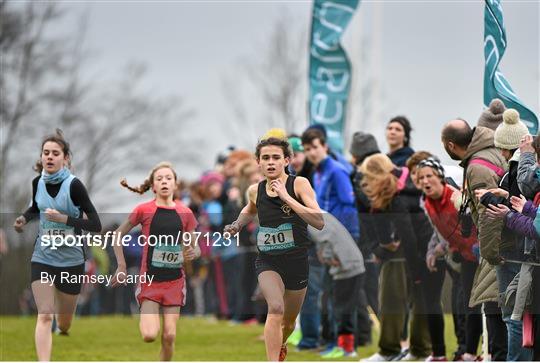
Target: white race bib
272 239
167 256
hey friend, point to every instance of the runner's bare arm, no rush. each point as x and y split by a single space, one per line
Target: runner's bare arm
123 229
190 247
310 211
247 214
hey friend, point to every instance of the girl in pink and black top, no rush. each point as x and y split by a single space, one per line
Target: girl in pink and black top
168 241
440 208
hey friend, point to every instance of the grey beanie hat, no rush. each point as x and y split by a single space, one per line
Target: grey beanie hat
363 145
492 116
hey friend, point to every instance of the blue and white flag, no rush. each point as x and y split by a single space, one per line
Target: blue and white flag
329 68
495 84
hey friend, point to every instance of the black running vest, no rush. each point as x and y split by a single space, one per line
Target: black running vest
281 230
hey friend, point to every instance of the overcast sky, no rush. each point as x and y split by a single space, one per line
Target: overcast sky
428 54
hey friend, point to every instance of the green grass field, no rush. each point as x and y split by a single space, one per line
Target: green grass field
115 338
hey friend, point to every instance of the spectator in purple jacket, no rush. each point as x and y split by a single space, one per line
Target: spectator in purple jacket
521 219
525 220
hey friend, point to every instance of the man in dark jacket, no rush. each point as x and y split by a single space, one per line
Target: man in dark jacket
484 166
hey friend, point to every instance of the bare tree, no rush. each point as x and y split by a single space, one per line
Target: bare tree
29 61
278 76
113 126
129 129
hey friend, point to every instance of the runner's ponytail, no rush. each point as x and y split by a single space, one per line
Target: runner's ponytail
141 189
148 182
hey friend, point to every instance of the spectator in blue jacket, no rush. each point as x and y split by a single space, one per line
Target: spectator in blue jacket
333 154
333 188
331 182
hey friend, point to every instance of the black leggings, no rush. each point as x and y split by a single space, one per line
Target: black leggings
432 290
458 311
497 333
496 328
473 316
346 297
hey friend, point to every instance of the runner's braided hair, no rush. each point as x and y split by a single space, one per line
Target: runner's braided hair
148 182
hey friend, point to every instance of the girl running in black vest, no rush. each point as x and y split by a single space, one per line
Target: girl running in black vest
285 206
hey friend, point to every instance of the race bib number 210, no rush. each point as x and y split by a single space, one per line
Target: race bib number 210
272 239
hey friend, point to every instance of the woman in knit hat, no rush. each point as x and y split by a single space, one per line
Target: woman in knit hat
440 208
508 134
507 138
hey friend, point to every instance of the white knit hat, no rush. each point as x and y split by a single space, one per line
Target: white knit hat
509 133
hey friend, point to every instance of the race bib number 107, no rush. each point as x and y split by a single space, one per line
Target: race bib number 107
167 256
